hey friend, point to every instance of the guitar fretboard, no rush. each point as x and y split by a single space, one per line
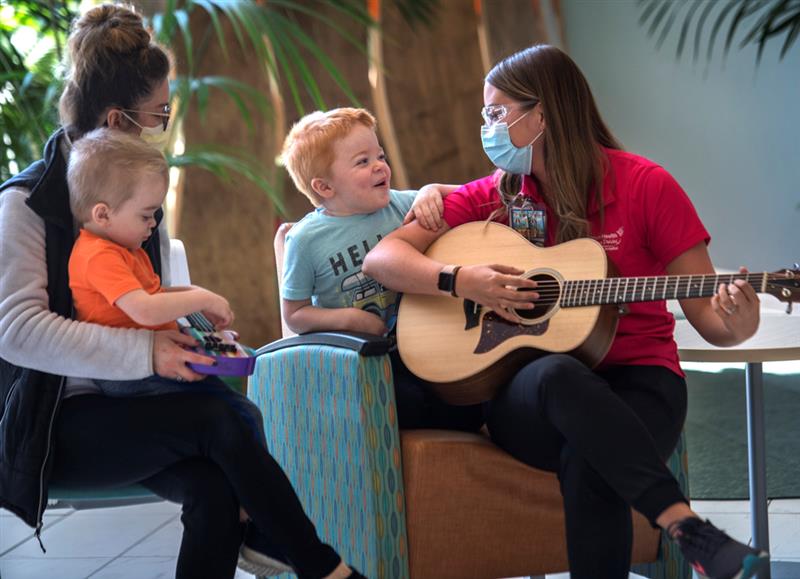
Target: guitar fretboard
623 290
200 322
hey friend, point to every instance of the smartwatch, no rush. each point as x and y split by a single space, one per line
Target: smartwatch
447 279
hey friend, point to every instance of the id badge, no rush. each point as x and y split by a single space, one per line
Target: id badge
530 220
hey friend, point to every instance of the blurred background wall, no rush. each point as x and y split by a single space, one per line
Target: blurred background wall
727 129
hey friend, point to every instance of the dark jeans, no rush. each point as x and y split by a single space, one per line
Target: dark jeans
196 449
156 385
418 406
606 434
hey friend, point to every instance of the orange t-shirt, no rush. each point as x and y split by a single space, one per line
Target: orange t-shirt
100 272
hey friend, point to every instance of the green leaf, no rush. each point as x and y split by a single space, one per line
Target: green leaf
323 59
791 37
224 161
208 6
182 18
685 28
764 20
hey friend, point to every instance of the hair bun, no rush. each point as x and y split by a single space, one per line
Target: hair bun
111 28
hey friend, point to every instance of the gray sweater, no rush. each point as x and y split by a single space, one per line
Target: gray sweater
34 337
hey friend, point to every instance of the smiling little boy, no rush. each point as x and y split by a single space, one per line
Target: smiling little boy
335 159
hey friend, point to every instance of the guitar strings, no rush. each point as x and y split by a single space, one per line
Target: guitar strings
551 291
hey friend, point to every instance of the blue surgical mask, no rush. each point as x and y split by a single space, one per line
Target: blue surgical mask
503 153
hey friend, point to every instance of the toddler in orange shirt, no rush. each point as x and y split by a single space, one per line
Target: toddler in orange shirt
117 185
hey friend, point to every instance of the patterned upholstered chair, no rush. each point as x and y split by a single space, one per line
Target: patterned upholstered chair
423 504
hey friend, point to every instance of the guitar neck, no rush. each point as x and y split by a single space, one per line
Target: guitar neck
625 290
199 322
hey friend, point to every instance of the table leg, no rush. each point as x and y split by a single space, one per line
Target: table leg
757 458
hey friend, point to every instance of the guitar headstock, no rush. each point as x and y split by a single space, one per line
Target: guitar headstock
785 285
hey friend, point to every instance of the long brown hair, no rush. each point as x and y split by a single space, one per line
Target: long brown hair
574 132
112 61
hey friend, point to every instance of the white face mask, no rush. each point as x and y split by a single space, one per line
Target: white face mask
156 137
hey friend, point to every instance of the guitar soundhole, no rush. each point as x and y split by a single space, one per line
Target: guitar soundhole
549 295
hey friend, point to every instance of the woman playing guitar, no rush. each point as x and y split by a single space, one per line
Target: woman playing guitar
605 430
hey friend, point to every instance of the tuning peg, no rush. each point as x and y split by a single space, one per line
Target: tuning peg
789 308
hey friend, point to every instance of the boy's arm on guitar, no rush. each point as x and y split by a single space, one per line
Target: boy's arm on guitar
428 206
398 262
163 307
731 316
302 318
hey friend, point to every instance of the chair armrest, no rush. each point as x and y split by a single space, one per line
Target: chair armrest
331 423
362 344
178 264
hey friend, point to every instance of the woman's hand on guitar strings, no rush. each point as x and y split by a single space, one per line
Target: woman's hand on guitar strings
737 304
496 287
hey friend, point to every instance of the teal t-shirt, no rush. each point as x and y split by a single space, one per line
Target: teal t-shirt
324 255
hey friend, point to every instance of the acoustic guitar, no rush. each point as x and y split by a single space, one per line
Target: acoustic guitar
466 351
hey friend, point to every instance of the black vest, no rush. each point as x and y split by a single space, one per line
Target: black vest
29 399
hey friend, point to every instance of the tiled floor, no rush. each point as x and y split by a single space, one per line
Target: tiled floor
137 542
140 542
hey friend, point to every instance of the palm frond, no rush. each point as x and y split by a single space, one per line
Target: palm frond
224 162
29 82
186 88
266 31
762 21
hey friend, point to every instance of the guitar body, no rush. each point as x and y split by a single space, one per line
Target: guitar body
466 365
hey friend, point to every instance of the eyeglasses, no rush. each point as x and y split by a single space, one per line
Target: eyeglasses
493 114
164 114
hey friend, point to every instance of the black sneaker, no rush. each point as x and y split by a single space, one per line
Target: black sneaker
715 555
259 556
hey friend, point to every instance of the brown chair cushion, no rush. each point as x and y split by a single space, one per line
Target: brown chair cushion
473 511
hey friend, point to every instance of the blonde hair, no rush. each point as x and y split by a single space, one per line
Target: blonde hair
308 150
112 62
105 165
574 134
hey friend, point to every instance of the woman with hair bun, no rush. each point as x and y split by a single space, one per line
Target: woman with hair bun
55 424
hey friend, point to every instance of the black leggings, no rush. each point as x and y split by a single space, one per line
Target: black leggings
418 406
606 434
195 449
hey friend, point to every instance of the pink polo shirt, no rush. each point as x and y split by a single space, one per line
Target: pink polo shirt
649 221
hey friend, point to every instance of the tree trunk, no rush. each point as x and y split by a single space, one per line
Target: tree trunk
228 226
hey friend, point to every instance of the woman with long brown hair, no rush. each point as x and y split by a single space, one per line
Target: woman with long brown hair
605 431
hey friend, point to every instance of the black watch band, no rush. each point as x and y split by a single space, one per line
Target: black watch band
447 279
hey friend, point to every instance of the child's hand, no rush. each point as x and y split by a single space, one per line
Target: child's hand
363 321
218 311
427 208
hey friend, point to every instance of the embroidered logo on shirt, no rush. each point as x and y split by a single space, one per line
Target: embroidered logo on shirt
611 241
